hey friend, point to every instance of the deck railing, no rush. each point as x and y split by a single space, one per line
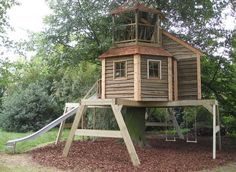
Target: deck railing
127 33
94 90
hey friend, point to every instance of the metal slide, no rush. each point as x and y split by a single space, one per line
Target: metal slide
12 143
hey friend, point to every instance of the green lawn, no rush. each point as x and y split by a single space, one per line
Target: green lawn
27 145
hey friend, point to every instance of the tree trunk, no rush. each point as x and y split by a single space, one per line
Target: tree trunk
135 121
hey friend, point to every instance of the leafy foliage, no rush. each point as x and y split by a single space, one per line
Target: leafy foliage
77 32
28 109
74 82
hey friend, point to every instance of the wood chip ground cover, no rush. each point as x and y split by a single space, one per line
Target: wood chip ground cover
111 155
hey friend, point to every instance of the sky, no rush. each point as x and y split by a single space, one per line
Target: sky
29 17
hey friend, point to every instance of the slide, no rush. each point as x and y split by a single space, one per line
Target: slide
43 130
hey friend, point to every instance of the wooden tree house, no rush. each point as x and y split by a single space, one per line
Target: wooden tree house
147 63
145 67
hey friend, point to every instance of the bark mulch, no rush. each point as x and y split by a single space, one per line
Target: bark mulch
110 155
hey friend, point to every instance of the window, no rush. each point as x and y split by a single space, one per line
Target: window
154 69
120 69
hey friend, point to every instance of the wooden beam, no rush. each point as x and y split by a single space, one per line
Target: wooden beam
71 105
103 96
136 27
125 134
170 79
214 132
98 133
190 103
175 71
97 102
73 129
137 77
62 125
199 87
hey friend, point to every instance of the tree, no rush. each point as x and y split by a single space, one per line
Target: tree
4 7
81 30
28 109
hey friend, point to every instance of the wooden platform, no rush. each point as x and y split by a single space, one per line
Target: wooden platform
117 104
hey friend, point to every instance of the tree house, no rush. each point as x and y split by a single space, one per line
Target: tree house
145 67
145 62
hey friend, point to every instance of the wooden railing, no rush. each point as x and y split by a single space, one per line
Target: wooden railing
127 33
94 90
124 33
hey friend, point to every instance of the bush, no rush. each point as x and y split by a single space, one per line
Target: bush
28 109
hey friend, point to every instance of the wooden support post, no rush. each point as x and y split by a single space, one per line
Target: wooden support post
73 129
214 131
125 134
60 132
136 27
103 96
137 77
170 80
199 87
175 72
61 128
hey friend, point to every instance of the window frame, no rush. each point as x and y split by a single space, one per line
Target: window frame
160 73
114 70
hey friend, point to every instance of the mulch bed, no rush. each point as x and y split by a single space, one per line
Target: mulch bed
111 155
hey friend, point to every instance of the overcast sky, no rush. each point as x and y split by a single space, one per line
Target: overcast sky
27 16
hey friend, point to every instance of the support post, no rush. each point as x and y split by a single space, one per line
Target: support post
61 128
103 96
214 131
137 77
73 129
125 134
170 80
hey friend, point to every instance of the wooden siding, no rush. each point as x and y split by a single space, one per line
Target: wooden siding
187 70
154 89
177 50
119 88
187 79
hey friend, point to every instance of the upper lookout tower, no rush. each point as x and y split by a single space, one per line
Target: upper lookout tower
147 63
136 24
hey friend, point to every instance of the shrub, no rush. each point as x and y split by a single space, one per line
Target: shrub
28 109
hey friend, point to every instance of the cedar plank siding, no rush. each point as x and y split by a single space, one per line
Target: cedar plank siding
177 50
187 79
186 67
154 89
119 88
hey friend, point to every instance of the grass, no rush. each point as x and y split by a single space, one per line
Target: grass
226 168
21 147
24 169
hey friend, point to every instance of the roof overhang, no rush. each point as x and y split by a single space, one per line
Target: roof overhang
183 43
133 50
137 6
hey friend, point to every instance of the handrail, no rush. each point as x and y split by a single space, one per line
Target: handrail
92 89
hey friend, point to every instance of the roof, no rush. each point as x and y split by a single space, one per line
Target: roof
183 43
136 6
135 49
